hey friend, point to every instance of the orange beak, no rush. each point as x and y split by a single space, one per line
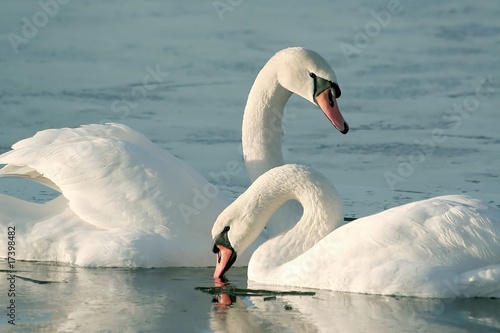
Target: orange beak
225 259
328 104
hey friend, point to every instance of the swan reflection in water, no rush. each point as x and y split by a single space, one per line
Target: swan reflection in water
329 311
222 299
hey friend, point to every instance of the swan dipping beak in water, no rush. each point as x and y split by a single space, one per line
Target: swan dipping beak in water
443 247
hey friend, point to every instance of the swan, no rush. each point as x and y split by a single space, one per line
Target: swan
444 247
127 202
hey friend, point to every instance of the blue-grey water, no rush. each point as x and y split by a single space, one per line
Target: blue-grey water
165 300
420 91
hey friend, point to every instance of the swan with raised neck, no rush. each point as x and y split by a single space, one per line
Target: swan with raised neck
292 70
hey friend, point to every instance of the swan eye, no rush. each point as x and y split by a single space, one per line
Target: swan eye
330 98
312 75
226 229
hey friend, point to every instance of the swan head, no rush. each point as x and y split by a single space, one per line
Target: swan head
232 233
307 74
226 254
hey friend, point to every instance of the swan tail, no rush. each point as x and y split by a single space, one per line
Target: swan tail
42 232
18 216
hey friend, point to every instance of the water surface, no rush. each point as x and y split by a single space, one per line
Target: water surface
54 298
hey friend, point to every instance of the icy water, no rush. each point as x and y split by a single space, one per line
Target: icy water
68 299
419 84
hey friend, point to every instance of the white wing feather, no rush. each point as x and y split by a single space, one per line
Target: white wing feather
112 176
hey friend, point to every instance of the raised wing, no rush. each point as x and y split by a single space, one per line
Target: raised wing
111 175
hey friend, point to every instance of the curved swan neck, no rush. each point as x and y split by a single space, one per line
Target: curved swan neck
262 122
288 72
322 209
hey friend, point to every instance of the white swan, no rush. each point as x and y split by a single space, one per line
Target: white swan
447 246
127 202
